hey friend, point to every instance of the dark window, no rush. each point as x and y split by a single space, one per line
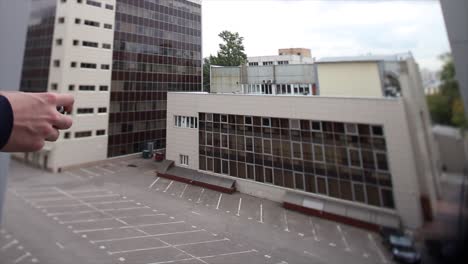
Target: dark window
101 132
61 20
87 88
90 44
71 87
77 21
83 134
66 135
76 42
85 65
93 3
56 63
91 23
107 26
73 64
102 110
110 7
106 46
59 42
103 88
85 111
105 66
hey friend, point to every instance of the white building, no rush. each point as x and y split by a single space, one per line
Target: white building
361 157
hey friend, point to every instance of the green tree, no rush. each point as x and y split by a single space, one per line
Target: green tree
231 53
446 107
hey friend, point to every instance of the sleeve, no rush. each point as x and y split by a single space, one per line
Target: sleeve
6 121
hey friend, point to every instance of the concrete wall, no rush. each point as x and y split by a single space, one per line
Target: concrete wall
225 79
360 110
350 79
452 151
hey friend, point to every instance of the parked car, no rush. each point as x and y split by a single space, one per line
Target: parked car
401 246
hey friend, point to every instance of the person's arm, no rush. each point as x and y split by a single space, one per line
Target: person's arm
6 121
35 119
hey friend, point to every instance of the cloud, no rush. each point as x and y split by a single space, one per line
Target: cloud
330 28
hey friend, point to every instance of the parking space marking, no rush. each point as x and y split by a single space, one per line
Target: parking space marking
154 182
58 206
261 213
343 238
219 201
193 212
201 194
315 256
7 246
90 172
168 186
71 199
74 192
106 219
146 236
239 207
59 245
104 169
379 252
285 221
314 232
135 250
70 213
23 257
183 191
203 242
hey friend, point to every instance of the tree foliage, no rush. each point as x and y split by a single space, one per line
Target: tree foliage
231 53
446 107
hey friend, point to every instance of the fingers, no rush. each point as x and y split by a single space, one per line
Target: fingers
66 101
53 135
62 121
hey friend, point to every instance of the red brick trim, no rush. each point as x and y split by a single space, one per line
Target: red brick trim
334 217
198 183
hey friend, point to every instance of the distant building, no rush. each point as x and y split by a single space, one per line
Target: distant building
431 81
359 150
118 58
285 57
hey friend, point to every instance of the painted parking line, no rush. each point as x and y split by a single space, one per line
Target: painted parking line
206 257
219 201
154 182
146 236
379 252
261 213
104 169
72 198
23 257
10 244
285 221
239 207
314 230
183 191
90 172
82 191
201 195
343 238
168 186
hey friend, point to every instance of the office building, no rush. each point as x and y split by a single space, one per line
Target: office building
118 58
284 57
363 155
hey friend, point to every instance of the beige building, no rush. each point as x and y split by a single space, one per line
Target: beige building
358 157
296 51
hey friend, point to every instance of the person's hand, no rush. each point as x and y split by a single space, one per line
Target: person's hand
36 119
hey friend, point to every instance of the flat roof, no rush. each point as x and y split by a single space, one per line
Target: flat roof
365 58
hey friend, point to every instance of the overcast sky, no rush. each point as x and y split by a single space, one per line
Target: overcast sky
330 27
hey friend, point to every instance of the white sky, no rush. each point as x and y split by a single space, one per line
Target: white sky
330 27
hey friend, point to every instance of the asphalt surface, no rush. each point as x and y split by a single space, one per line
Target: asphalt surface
113 213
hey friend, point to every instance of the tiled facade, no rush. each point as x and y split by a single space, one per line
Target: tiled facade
157 48
341 160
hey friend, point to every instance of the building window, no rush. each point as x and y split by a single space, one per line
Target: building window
185 122
91 23
56 63
85 65
106 46
110 7
87 88
79 1
54 86
337 159
90 44
82 111
253 63
59 42
61 20
83 134
77 21
66 135
73 64
63 1
100 132
93 3
102 110
283 62
184 160
105 66
107 26
76 42
266 63
71 87
103 88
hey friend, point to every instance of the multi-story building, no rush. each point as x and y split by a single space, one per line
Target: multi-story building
118 58
284 57
363 154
